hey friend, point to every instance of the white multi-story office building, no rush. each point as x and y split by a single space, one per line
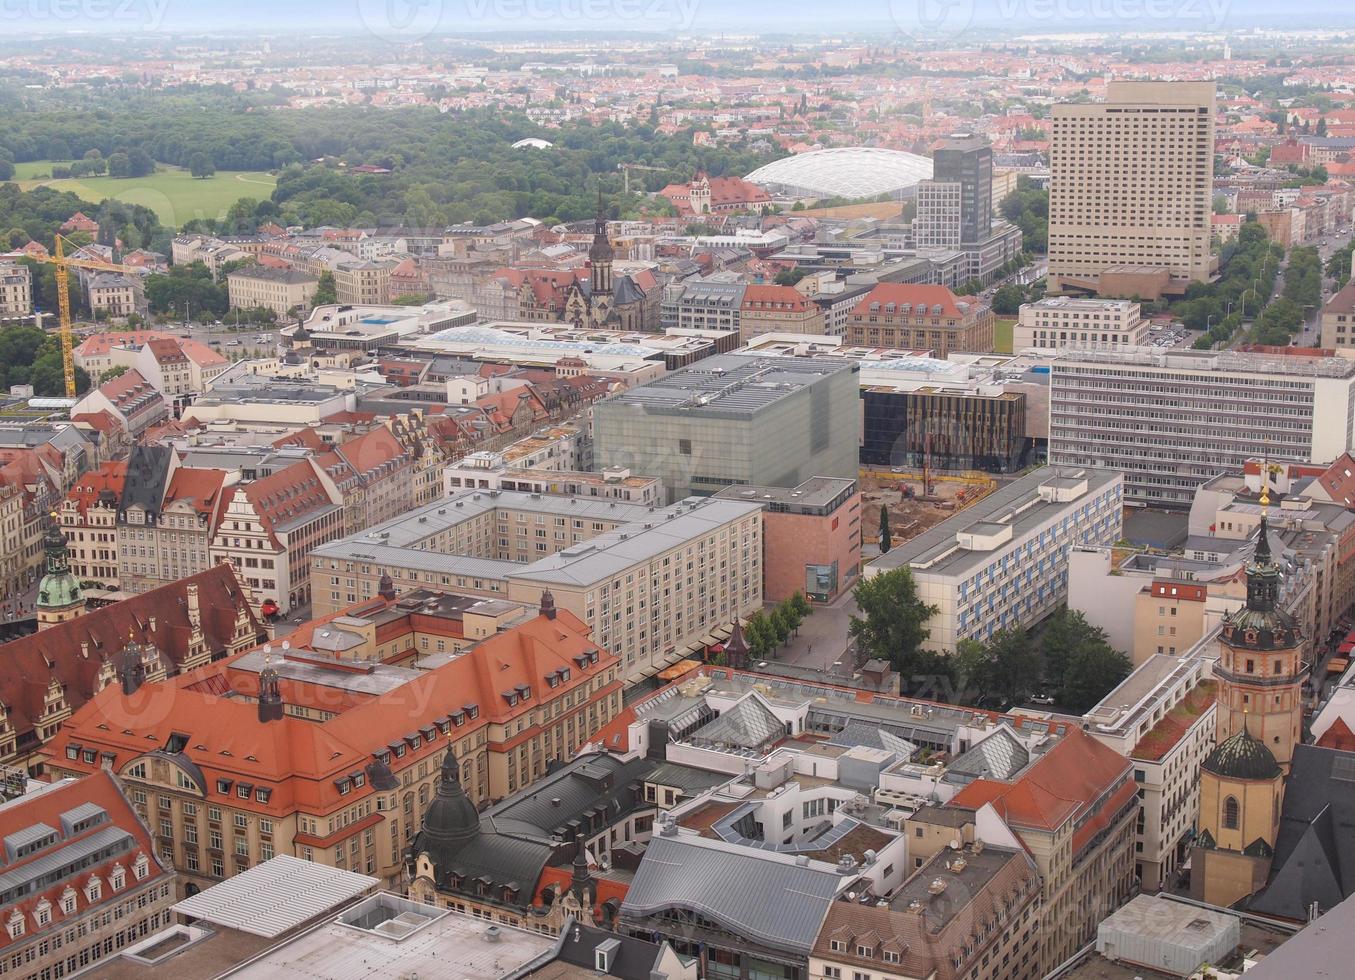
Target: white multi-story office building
1003 563
1131 183
1161 717
1064 323
1169 421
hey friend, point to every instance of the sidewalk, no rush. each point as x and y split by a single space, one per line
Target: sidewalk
823 636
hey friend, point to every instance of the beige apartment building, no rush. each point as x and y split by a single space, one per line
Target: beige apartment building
113 293
1338 321
1065 323
362 283
649 582
1162 718
279 290
778 309
1131 185
16 290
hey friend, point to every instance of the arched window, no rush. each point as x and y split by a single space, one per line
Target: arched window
1230 815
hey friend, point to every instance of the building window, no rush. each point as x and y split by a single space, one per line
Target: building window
1230 813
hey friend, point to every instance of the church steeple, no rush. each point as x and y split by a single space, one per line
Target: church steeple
601 254
1261 669
59 595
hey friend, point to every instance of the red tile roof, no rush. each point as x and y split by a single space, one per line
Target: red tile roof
285 496
1073 775
901 293
777 298
108 478
1338 736
47 807
299 759
73 653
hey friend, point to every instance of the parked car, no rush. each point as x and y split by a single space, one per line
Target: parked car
1041 699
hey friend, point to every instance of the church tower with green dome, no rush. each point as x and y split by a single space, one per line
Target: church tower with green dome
59 596
1261 669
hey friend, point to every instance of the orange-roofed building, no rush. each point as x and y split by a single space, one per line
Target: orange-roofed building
373 473
328 746
83 879
920 317
49 675
269 527
1073 809
777 309
88 515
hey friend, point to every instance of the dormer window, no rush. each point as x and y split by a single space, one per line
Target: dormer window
472 711
837 946
458 718
15 925
223 786
94 890
68 902
118 878
263 794
43 913
865 952
141 867
345 785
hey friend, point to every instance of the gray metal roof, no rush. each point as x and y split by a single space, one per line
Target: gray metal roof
594 781
768 898
276 896
615 551
999 756
730 384
112 840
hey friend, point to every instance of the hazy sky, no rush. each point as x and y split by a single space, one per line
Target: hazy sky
412 19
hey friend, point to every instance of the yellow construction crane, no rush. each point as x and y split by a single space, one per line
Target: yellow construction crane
63 264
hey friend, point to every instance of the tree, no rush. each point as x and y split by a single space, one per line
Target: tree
140 162
759 635
970 667
1090 675
801 605
780 622
113 372
1008 299
200 165
893 624
119 165
6 170
1080 665
1014 665
324 290
886 538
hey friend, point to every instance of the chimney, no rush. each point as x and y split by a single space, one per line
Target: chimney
548 604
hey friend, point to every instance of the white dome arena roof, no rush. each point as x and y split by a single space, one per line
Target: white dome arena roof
532 143
861 171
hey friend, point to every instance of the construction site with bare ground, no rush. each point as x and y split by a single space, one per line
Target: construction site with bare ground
915 501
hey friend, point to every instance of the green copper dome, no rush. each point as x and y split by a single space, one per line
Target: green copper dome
1241 756
58 588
